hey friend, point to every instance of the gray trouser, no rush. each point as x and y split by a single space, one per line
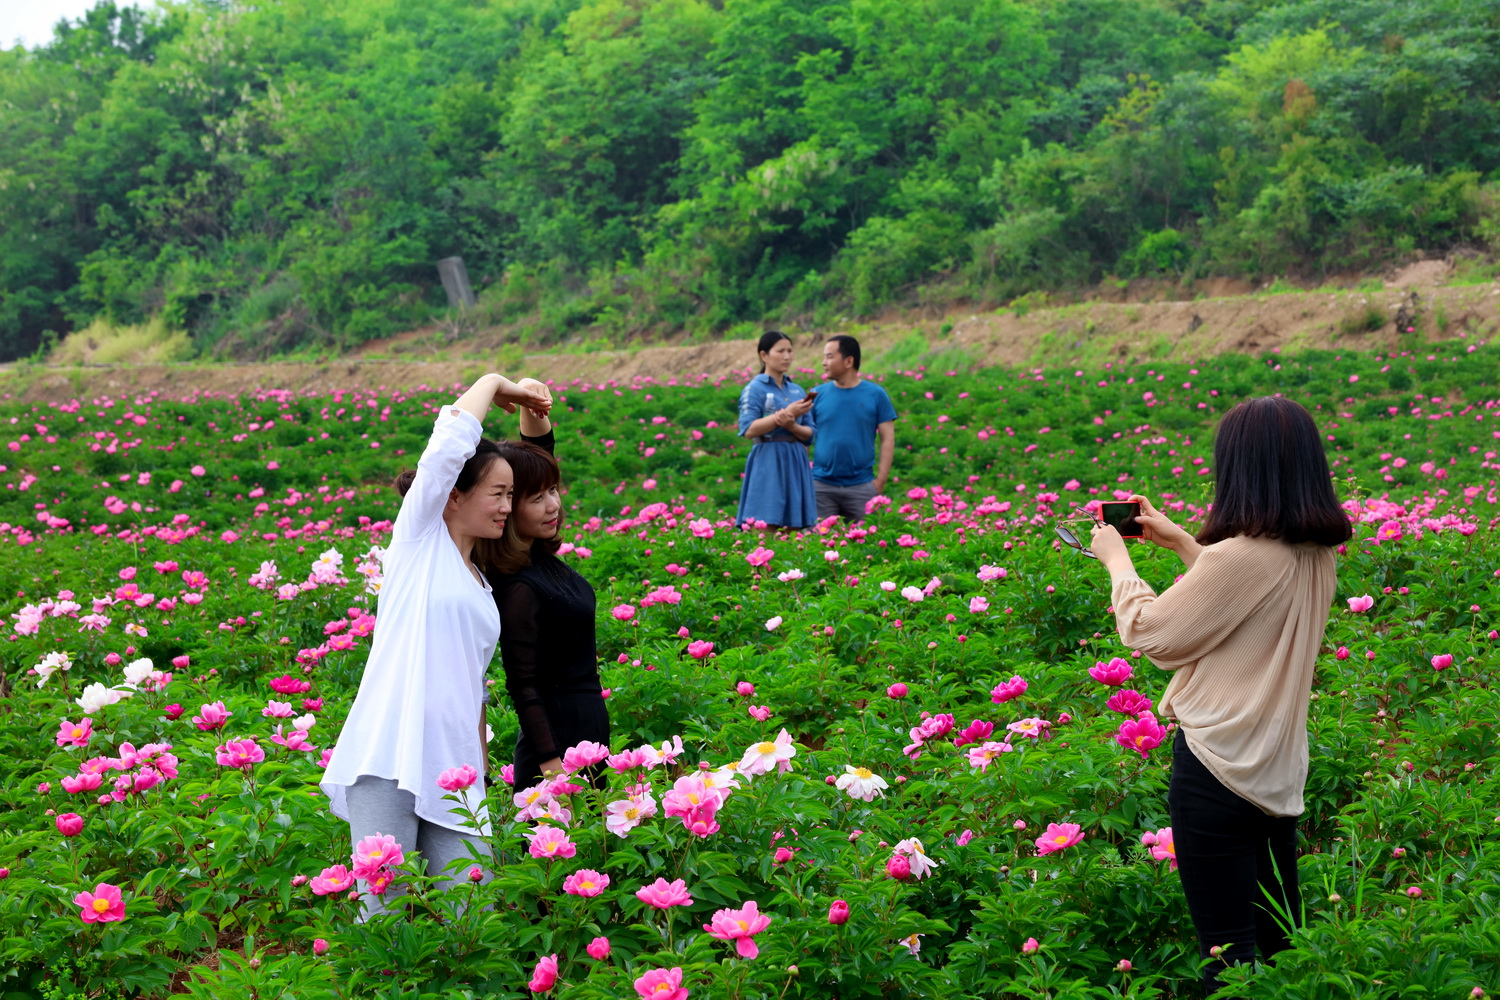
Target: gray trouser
847 502
378 805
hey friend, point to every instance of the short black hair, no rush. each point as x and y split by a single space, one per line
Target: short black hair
848 347
1272 478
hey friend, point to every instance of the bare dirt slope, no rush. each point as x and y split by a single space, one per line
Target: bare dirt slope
1146 324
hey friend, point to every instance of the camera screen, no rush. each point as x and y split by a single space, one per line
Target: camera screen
1122 515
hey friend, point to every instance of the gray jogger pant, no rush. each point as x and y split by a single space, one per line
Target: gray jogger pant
378 805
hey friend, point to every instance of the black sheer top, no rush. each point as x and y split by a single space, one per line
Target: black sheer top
547 644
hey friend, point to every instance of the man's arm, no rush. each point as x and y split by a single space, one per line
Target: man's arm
885 432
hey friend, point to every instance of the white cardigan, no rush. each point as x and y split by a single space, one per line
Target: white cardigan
419 703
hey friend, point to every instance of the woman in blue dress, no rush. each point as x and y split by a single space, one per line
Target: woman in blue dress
776 413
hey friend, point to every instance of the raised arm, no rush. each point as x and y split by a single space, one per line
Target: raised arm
497 390
535 425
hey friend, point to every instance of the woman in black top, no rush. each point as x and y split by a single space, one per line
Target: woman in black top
546 615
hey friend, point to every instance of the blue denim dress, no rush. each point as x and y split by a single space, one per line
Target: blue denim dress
778 486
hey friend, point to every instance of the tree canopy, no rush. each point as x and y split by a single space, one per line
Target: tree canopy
288 173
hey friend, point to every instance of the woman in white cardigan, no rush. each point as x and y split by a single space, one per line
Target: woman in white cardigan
419 710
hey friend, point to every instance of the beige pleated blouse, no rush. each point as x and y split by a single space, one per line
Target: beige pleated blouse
1241 630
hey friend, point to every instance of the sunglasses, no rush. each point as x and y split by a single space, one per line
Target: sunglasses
1071 539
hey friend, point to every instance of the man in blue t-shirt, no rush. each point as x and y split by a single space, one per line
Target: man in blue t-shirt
850 414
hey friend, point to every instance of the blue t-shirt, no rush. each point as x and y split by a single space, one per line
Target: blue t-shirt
846 419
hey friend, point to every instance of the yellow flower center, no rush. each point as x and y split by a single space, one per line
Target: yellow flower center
743 925
586 885
77 732
632 813
662 986
693 797
375 855
863 773
765 747
1061 838
101 905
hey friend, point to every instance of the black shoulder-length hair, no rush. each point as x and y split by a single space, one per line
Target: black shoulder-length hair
1271 477
536 471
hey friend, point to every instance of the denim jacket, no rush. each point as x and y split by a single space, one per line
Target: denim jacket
761 397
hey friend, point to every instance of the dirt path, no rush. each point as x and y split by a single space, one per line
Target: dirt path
1412 299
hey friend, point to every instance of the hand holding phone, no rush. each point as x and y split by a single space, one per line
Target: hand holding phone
1122 515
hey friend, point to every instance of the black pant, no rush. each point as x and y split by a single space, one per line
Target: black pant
1234 861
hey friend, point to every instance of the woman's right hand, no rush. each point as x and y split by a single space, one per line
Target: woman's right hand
1156 527
509 395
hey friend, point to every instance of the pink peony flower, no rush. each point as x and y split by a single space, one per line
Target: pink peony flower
699 649
598 948
1058 837
979 605
626 814
897 690
838 912
744 689
1361 604
103 905
739 926
585 754
975 732
760 713
1006 690
981 755
1163 848
760 556
921 865
1442 661
82 783
278 710
662 984
1031 947
212 716
377 851
320 946
1114 673
585 882
544 976
663 894
1141 735
623 612
551 842
1128 702
70 824
898 867
75 734
334 879
456 779
240 753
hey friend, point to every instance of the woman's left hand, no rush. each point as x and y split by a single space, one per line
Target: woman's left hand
1109 547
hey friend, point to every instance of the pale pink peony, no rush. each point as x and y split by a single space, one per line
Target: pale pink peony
457 779
759 556
698 649
761 757
332 880
979 605
584 755
981 755
239 753
921 864
1361 604
739 926
377 851
663 894
551 842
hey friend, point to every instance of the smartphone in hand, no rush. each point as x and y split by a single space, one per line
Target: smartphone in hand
1122 514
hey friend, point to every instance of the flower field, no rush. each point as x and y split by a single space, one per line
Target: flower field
905 759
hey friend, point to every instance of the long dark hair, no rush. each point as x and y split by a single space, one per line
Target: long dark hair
469 476
536 471
768 340
1272 478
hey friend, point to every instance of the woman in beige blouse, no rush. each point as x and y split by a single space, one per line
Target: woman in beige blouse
1240 630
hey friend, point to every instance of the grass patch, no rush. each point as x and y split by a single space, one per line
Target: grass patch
1367 320
103 343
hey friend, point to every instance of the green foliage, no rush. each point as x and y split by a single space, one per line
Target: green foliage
275 177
